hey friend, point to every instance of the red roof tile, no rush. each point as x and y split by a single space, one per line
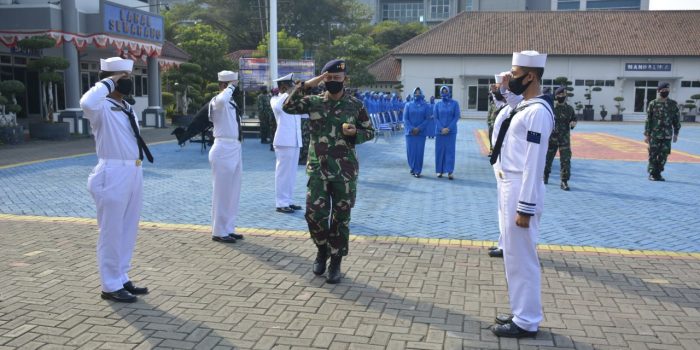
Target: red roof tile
386 69
580 33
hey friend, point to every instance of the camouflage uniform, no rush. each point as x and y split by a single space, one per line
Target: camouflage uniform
265 115
561 140
662 123
332 164
305 140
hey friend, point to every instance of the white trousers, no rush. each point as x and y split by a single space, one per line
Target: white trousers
226 161
285 174
520 255
116 187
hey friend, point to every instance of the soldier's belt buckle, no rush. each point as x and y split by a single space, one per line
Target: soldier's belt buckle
138 162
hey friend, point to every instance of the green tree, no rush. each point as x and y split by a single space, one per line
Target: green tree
358 51
389 34
187 83
47 67
207 47
288 47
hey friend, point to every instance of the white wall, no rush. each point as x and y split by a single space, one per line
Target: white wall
465 70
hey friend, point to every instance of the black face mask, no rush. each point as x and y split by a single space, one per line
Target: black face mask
499 97
663 94
561 99
125 86
334 87
516 86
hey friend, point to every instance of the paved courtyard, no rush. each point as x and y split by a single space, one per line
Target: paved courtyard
620 256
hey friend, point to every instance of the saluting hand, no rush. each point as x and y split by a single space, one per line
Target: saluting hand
118 76
349 129
313 82
522 221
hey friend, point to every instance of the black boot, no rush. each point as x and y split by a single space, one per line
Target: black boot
334 270
564 185
320 262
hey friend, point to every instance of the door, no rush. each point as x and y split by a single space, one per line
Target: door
642 97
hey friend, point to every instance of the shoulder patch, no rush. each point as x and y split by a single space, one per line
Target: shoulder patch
534 137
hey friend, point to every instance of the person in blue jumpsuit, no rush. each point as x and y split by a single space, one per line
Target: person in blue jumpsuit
446 114
430 128
416 115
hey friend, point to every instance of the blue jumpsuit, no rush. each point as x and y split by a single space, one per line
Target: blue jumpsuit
416 114
446 114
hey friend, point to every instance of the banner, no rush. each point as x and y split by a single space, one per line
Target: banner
254 72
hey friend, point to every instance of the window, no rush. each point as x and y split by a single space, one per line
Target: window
5 59
439 82
403 11
439 9
696 84
568 5
20 60
469 6
599 83
145 85
578 82
610 83
486 81
613 5
685 83
137 86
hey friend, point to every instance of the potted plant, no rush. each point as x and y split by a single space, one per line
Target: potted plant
48 68
695 104
688 116
10 132
603 112
618 105
578 106
588 112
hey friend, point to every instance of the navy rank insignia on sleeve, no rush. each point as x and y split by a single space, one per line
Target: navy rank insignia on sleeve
533 137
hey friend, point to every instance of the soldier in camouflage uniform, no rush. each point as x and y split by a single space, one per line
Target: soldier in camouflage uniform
564 121
264 113
662 126
337 123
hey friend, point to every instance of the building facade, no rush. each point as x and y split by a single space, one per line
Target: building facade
435 11
86 31
626 65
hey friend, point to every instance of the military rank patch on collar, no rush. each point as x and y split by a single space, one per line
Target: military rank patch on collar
534 137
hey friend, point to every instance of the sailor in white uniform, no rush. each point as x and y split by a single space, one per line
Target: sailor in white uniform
226 160
116 183
287 143
519 157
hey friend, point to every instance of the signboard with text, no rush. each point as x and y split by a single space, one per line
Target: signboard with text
648 67
254 72
132 23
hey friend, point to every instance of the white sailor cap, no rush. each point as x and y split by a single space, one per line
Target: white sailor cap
499 77
116 64
288 77
532 59
227 75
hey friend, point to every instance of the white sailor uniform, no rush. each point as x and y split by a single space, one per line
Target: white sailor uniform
287 143
116 183
226 161
520 169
